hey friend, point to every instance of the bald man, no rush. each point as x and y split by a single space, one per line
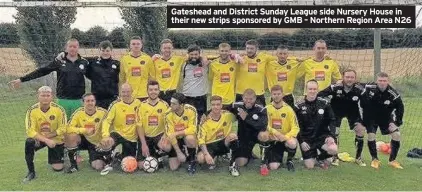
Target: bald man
123 116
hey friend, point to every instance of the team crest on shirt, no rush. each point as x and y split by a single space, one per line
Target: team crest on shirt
185 118
225 123
321 111
97 120
81 67
142 62
304 108
159 110
288 67
171 64
258 60
114 66
355 98
52 117
283 115
255 116
339 92
387 102
326 67
83 120
231 69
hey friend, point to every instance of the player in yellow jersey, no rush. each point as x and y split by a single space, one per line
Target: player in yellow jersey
283 129
215 136
251 72
45 126
321 68
151 124
84 133
283 72
136 68
122 114
181 127
223 76
167 70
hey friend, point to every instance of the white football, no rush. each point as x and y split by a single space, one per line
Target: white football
150 164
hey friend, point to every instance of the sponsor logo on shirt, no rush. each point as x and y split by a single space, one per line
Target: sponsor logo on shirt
152 121
136 71
130 119
281 76
165 73
252 67
320 75
276 123
225 77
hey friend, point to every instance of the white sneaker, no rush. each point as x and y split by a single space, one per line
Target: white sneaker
106 169
234 171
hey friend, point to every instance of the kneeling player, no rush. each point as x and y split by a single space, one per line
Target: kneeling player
84 133
215 137
122 115
181 124
317 128
283 129
383 108
151 124
45 126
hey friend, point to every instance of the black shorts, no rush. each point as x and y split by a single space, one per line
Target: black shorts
260 99
105 103
288 99
181 143
166 95
372 123
200 103
314 147
128 147
246 144
152 143
92 152
217 148
276 151
351 119
55 155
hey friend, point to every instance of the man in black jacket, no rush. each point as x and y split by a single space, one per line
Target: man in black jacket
383 108
345 100
252 124
317 128
70 77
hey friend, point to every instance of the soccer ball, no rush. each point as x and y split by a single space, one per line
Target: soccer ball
150 165
129 164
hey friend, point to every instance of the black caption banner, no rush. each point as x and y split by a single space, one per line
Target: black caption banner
291 16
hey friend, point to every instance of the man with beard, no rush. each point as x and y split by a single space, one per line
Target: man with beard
345 101
151 127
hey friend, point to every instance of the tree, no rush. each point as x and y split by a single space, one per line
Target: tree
117 37
43 32
149 23
79 35
8 34
95 35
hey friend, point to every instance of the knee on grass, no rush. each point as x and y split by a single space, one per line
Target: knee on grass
309 163
57 166
97 165
274 166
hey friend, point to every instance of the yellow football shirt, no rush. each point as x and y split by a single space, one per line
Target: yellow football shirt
282 74
151 117
167 72
282 120
186 122
80 121
251 73
211 130
39 122
136 71
323 72
223 80
123 117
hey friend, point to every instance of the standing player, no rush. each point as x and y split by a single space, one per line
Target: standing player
70 77
251 72
317 128
252 122
45 126
84 133
222 75
215 137
345 102
122 115
283 72
195 80
136 68
168 68
181 128
151 124
320 68
383 108
283 129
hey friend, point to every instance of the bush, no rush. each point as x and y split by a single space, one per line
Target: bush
117 37
8 34
94 36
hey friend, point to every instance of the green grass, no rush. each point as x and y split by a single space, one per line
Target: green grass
347 176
